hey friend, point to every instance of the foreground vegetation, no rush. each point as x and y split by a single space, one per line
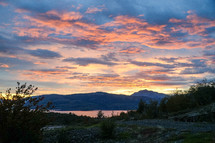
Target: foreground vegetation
18 122
149 123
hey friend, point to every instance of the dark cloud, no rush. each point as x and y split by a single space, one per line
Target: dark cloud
160 71
44 54
109 57
15 63
108 75
138 63
169 83
157 77
210 31
87 61
10 50
199 62
49 71
65 67
209 51
168 60
163 42
87 43
198 70
9 46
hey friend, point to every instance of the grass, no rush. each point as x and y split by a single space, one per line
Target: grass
124 135
200 138
208 137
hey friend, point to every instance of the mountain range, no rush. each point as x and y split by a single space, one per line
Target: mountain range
100 100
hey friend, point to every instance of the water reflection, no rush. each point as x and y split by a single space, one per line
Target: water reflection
107 113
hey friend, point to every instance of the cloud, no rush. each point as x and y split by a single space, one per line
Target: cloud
159 71
65 67
132 50
157 77
3 4
44 54
15 63
94 10
199 70
168 60
209 51
4 66
48 71
171 41
10 50
87 61
109 57
199 63
72 27
168 83
138 63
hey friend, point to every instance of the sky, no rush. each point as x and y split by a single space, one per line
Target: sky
115 46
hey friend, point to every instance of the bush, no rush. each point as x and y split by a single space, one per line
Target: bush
108 128
100 114
63 137
18 122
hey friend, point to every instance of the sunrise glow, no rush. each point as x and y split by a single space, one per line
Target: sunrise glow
118 47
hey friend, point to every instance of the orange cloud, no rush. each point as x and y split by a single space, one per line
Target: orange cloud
125 29
4 66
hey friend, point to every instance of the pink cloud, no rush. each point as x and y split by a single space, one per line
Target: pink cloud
94 10
125 29
3 3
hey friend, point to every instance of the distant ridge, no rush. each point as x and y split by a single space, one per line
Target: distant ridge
100 100
150 94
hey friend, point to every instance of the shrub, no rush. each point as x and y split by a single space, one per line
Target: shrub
63 137
18 122
100 114
108 128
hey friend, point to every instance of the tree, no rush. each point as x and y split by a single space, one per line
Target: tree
100 114
22 116
141 106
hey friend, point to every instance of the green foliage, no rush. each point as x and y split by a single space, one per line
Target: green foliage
18 122
108 128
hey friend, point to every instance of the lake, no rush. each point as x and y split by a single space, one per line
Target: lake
93 113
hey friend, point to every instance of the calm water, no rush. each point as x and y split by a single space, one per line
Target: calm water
93 113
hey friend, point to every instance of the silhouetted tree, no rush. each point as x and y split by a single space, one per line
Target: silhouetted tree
141 106
100 114
199 94
21 115
152 109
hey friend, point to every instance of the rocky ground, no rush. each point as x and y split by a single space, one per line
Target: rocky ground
140 131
